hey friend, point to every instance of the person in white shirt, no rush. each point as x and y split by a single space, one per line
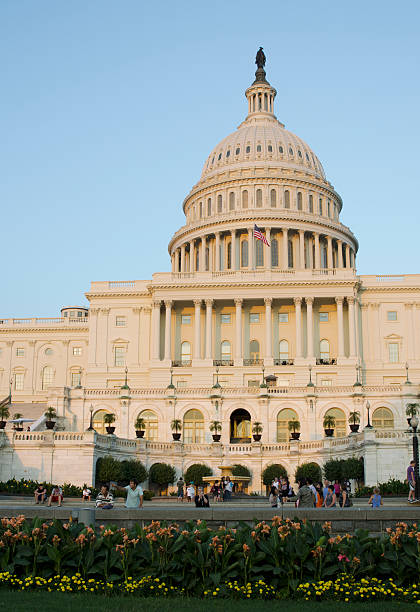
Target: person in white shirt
134 494
228 489
190 492
86 493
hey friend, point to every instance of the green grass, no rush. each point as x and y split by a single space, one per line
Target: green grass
62 602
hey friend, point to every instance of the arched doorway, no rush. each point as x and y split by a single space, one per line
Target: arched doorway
240 426
98 421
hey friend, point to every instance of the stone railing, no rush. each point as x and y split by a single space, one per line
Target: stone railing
45 322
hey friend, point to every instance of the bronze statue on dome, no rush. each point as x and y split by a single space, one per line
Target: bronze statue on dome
260 58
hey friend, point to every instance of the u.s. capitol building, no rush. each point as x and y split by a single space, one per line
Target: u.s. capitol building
236 332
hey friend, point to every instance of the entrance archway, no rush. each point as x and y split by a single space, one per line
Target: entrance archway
240 426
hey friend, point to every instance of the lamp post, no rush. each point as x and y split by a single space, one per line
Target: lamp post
368 426
407 382
91 427
414 422
310 383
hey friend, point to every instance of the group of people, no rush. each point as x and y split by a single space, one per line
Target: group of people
192 494
310 495
104 499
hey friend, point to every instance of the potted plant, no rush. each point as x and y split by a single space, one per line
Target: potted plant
329 425
109 418
176 427
354 420
140 427
411 411
216 427
16 416
50 415
4 414
294 427
257 430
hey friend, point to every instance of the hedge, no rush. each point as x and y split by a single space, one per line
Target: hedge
240 470
272 471
308 470
195 473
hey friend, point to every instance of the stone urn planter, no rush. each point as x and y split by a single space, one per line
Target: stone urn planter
2 424
257 437
49 424
295 435
139 433
176 436
329 433
216 437
354 427
110 430
19 428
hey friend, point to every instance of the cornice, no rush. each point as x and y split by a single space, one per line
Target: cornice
32 328
263 283
113 294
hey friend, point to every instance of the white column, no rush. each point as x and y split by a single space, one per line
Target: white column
251 248
192 256
238 328
285 258
340 326
268 331
352 343
310 327
301 249
317 252
202 258
329 253
340 253
348 256
183 258
267 261
197 329
173 262
217 269
298 315
156 329
209 312
311 252
168 312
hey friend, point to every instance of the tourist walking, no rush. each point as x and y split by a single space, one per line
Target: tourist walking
376 499
180 489
330 499
305 496
411 482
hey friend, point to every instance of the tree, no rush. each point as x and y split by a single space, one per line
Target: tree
216 426
133 470
108 468
162 474
272 471
352 469
293 425
195 473
240 470
333 470
109 418
308 470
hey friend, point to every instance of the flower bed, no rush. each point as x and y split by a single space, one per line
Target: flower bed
275 557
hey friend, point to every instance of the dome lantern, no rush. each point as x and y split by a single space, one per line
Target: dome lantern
261 94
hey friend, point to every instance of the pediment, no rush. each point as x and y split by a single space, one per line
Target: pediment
393 337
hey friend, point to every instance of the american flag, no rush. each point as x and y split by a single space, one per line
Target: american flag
259 235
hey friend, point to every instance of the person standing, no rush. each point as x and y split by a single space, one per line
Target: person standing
305 497
228 489
330 499
180 489
325 489
344 497
86 493
411 482
190 492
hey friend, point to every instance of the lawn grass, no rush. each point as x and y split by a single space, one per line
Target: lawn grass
52 602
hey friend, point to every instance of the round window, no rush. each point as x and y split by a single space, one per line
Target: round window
48 351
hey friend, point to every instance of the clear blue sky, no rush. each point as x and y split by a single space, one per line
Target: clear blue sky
109 109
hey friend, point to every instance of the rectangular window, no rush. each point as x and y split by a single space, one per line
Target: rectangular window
20 352
326 382
19 378
225 318
283 382
323 317
392 315
253 383
75 379
283 317
393 352
254 317
186 319
119 356
181 384
120 321
77 351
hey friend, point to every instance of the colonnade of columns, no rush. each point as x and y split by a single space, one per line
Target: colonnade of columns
310 250
311 350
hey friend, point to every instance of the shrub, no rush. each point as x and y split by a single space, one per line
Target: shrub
195 473
272 471
308 470
148 495
240 470
108 468
162 474
333 470
392 487
133 469
353 469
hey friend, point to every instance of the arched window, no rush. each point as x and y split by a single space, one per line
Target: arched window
226 350
259 254
244 253
283 418
311 204
258 201
98 421
219 204
287 199
197 260
193 427
383 418
273 198
229 255
231 201
245 199
274 253
150 424
201 210
209 207
324 349
340 421
186 352
284 350
299 201
258 148
329 208
320 206
47 377
290 253
254 350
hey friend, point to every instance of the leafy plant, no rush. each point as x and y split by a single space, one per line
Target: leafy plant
240 470
272 471
354 417
195 473
257 428
308 470
17 415
109 418
162 474
412 409
329 421
133 470
4 413
216 426
294 425
333 470
108 468
176 425
50 414
140 424
352 468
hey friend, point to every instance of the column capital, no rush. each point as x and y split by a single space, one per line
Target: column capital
268 301
105 311
238 301
137 309
297 300
156 303
309 300
168 303
197 302
351 299
209 302
339 300
93 311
